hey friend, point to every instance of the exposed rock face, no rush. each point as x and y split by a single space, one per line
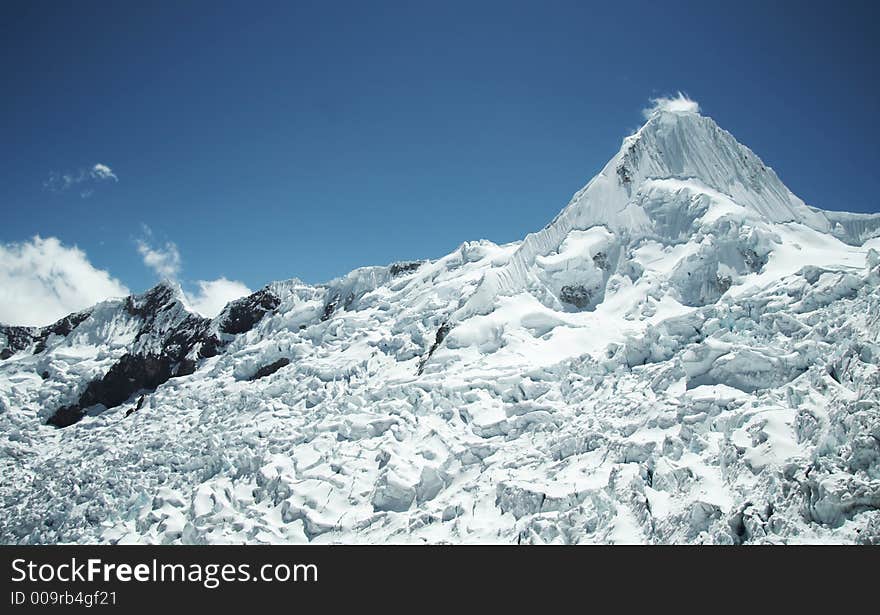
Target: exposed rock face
334 300
268 370
330 307
241 315
442 332
21 338
577 296
131 374
600 259
140 404
753 260
404 267
169 343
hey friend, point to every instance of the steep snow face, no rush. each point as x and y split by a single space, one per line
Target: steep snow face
686 353
639 194
691 146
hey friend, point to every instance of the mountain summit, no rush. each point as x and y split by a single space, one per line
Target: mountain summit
686 353
663 180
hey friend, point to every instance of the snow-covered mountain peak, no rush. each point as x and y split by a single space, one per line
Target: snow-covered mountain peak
164 295
680 178
687 146
686 353
679 103
691 146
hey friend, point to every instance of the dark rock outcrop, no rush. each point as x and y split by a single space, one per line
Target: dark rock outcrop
442 332
576 295
333 301
723 283
241 315
753 261
139 405
131 374
330 307
17 339
168 344
21 338
268 370
404 267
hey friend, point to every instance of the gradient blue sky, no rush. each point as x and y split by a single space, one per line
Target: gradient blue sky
272 140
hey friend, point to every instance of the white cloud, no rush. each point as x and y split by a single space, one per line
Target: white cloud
164 260
97 173
42 280
680 103
213 295
102 172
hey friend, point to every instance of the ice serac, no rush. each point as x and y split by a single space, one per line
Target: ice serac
687 353
674 150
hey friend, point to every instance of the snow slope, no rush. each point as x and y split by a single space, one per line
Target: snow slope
687 353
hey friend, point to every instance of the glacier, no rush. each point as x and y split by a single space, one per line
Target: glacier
687 353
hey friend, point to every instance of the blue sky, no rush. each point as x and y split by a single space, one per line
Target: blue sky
272 140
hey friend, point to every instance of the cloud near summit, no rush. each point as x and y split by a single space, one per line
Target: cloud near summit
210 296
680 103
163 260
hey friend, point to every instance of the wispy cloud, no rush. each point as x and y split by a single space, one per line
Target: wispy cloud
42 280
163 259
102 172
680 103
86 178
210 296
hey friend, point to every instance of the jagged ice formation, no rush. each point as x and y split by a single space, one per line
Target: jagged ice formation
687 353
